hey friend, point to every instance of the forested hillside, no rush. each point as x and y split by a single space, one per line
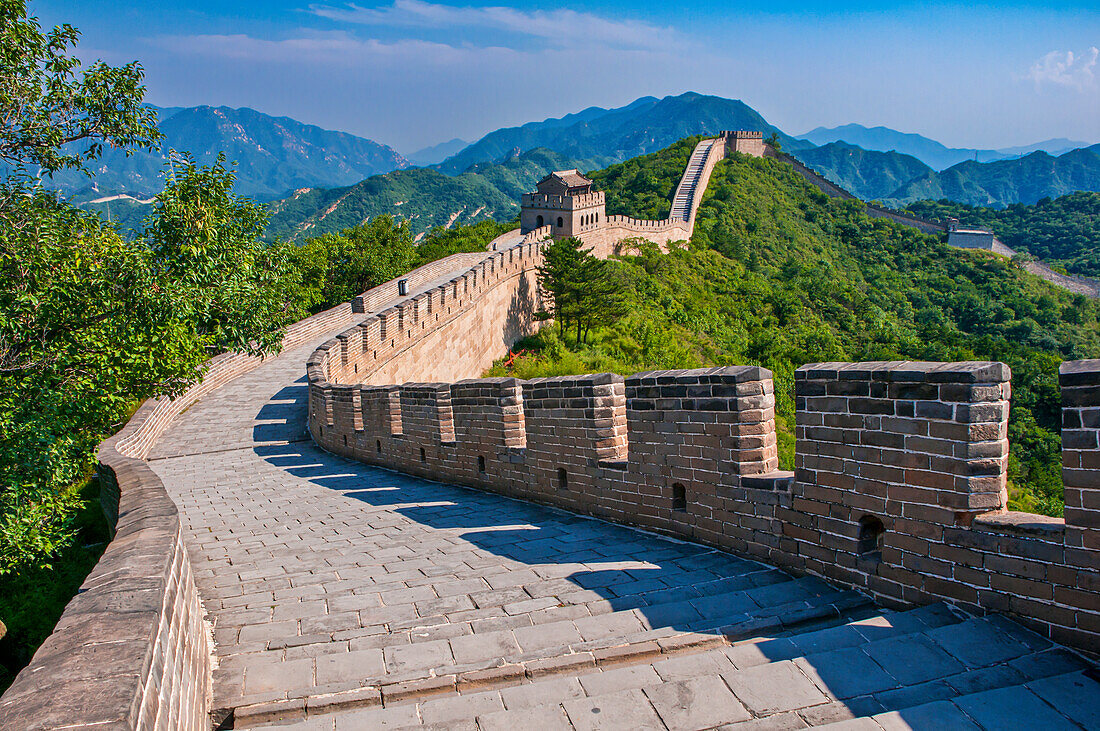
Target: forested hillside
424 197
777 274
869 175
1064 232
1025 180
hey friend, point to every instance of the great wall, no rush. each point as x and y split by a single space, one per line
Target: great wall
326 538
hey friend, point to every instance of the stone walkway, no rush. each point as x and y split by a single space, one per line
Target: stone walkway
345 596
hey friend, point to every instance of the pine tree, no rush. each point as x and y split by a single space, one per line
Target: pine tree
583 290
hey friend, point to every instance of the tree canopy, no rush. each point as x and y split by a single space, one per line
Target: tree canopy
584 291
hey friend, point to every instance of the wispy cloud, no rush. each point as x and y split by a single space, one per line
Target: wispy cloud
560 27
1067 69
335 48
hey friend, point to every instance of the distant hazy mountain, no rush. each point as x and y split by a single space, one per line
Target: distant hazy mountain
274 155
437 153
1026 179
1055 146
930 152
423 196
868 174
645 125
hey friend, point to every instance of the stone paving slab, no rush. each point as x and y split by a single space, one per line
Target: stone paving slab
345 596
323 575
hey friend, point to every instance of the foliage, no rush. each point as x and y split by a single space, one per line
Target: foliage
334 268
32 600
778 274
441 242
1026 179
424 197
205 242
45 103
583 290
91 323
1064 231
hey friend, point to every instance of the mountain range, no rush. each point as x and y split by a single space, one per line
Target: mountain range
932 153
303 170
898 179
645 125
273 155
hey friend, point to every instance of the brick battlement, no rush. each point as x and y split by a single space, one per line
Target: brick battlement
899 486
563 202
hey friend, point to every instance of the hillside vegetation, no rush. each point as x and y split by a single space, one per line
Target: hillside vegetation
778 274
1024 180
869 175
1064 232
423 197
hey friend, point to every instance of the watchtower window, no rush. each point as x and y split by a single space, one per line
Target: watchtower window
561 222
481 464
563 479
538 222
378 445
871 534
423 455
679 498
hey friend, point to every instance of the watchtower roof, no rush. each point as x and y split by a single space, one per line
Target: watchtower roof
569 182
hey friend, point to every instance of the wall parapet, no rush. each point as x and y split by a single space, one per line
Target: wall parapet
899 487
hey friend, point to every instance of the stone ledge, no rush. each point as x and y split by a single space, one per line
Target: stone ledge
907 371
1026 524
778 481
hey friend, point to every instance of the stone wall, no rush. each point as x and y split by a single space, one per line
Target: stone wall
899 488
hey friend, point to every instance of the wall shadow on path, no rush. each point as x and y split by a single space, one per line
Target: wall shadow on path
671 584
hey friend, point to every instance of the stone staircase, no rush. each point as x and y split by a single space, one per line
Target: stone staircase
758 649
685 191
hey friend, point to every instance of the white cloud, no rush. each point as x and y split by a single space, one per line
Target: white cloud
329 49
561 27
1065 68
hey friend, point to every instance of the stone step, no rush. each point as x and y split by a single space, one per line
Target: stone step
930 667
614 639
901 664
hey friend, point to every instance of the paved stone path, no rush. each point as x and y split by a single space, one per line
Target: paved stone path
356 598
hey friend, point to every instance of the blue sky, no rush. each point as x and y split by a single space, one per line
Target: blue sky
411 73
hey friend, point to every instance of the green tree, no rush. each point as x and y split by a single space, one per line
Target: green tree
583 290
51 114
90 323
205 245
334 268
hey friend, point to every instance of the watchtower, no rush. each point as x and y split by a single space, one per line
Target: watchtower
749 142
565 201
